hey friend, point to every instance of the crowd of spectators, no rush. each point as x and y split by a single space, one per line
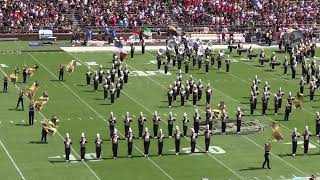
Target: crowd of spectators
30 15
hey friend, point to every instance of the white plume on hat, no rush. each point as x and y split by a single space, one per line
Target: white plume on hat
177 127
67 135
98 135
130 130
307 128
160 131
295 129
239 109
185 114
82 134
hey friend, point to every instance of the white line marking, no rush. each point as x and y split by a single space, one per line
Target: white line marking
54 157
282 177
269 177
23 121
69 119
15 165
80 118
35 120
11 122
318 173
0 122
256 178
58 134
96 111
91 118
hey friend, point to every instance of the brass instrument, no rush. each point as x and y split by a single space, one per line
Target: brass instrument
276 132
297 101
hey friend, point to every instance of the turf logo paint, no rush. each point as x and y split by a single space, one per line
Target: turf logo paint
212 150
247 127
92 63
148 73
311 146
88 157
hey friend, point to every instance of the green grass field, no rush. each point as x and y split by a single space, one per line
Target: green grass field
80 109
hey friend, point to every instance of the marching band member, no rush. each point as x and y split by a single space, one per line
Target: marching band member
5 83
285 65
174 60
224 118
159 60
196 121
265 99
200 87
293 68
112 122
170 123
228 60
219 58
301 83
186 66
267 148
212 54
115 138
276 103
143 46
208 93
280 93
126 74
199 61
146 138
175 91
141 120
185 121
170 95
177 137
31 112
112 91
252 102
306 137
188 90
118 88
250 53
95 81
132 50
61 72
193 140
207 135
160 142
105 90
88 76
206 62
67 146
195 95
98 143
295 135
166 66
313 87
182 95
127 121
130 142
100 74
239 115
156 120
287 111
20 100
273 60
83 142
44 133
25 73
262 58
318 124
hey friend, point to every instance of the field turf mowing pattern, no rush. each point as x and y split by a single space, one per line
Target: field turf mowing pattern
80 109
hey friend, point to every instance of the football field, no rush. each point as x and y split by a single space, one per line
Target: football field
81 109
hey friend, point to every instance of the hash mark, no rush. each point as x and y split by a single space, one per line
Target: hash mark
11 122
282 177
80 118
91 118
22 121
269 177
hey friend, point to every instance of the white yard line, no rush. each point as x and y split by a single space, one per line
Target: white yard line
150 160
96 176
12 161
269 177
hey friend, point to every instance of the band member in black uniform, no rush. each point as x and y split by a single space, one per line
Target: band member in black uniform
105 90
126 74
127 121
306 137
112 92
171 119
83 142
174 60
170 96
313 49
267 148
194 59
212 54
146 139
313 87
200 87
31 113
143 46
252 103
239 115
208 93
20 100
224 118
273 62
301 84
44 133
168 55
112 122
118 89
265 99
182 95
318 123
262 57
25 73
207 136
196 121
287 111
295 135
194 95
285 65
5 83
88 76
132 50
293 68
159 60
67 147
95 81
141 120
100 74
193 140
166 66
206 62
228 60
61 72
219 59
250 53
180 58
160 142
130 142
186 66
98 143
199 60
276 103
156 120
185 121
115 140
177 137
280 93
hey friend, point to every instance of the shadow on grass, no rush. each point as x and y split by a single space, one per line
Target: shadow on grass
81 85
18 124
14 109
37 142
251 169
105 104
55 80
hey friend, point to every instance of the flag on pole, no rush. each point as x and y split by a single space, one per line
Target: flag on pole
147 31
